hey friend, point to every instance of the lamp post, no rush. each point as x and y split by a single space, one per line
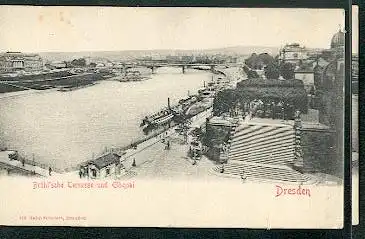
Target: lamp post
297 141
33 163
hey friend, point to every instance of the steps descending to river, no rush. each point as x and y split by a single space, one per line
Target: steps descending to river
262 151
128 175
262 143
262 172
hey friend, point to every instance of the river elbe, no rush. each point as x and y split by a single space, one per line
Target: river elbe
63 129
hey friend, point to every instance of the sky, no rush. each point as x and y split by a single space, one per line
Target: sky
69 29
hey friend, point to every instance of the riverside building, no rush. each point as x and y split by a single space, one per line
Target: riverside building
17 61
293 53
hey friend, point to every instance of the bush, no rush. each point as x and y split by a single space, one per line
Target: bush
257 62
252 74
272 71
287 71
224 101
78 62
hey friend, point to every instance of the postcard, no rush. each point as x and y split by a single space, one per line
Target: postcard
172 117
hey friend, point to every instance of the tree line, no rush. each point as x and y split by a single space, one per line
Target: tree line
270 65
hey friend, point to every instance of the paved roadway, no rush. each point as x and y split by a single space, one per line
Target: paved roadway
4 158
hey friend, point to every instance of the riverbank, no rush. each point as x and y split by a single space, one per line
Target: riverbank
129 79
68 82
13 94
55 127
16 167
233 74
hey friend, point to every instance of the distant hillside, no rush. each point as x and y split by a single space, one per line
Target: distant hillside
125 55
247 50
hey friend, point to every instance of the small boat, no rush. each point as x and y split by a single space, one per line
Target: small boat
208 92
162 119
158 119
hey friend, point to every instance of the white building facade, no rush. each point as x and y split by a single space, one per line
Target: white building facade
293 53
15 61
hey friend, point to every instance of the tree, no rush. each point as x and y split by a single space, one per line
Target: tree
287 71
252 61
79 62
259 61
272 71
66 63
224 102
266 59
252 74
277 59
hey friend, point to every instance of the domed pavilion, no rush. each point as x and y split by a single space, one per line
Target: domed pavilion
338 40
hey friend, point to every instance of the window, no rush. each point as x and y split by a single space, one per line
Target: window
93 172
107 171
295 55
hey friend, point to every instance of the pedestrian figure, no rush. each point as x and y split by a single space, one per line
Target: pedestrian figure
80 173
50 171
243 176
23 162
134 163
222 168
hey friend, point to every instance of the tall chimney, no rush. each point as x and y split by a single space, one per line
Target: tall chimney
168 103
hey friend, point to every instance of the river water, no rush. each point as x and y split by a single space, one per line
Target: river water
65 128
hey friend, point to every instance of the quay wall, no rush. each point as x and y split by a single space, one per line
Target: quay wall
6 169
45 82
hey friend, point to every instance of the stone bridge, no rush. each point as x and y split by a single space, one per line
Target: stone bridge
154 65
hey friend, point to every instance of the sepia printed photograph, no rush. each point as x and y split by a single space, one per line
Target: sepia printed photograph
181 117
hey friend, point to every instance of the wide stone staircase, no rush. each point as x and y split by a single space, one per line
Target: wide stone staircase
260 143
261 151
128 175
256 171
